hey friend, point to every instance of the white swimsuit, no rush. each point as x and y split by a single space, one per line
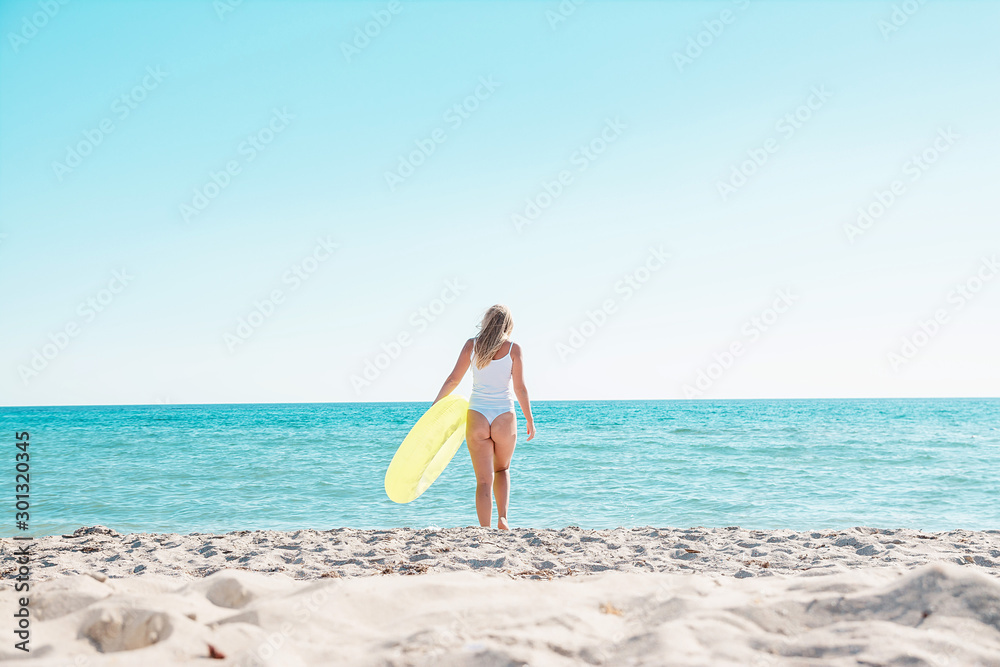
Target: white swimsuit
492 386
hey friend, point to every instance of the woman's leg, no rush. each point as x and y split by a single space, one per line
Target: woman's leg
503 432
477 437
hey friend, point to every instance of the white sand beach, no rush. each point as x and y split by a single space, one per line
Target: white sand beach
640 596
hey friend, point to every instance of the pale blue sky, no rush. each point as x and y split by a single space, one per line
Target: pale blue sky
554 89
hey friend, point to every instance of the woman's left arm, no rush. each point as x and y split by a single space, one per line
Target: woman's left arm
461 366
520 390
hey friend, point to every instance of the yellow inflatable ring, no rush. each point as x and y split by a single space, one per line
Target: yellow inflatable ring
427 449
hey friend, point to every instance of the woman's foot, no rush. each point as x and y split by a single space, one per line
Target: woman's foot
502 523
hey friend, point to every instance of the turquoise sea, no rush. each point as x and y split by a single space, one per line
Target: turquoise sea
932 464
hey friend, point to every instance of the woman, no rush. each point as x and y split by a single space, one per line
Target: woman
491 428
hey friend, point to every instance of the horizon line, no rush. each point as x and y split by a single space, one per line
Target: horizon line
539 401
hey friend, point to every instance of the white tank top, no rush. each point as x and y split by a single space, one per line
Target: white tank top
494 380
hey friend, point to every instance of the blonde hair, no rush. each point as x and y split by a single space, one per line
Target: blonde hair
494 330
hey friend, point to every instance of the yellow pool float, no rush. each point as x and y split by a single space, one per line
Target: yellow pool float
427 449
